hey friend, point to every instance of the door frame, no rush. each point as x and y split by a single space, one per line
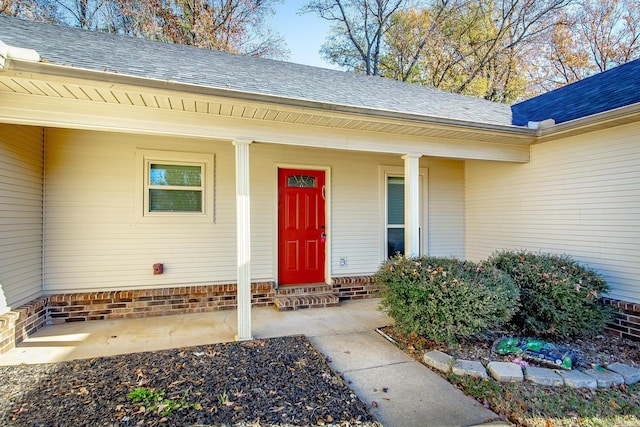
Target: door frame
327 213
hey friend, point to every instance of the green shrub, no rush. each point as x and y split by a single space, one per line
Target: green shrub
559 296
444 299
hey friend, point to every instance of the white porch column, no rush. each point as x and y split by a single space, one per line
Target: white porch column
412 204
243 235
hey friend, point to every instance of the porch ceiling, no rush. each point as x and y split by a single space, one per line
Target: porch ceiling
22 86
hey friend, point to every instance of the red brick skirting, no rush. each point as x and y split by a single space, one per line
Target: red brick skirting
152 302
17 325
626 321
356 287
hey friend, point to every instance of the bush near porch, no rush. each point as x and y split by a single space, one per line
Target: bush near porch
561 297
447 300
444 299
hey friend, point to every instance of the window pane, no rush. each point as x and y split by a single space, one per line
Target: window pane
301 181
180 175
395 241
175 201
395 200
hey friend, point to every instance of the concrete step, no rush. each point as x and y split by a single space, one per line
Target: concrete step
305 300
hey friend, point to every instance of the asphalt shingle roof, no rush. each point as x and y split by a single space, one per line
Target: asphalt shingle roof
611 89
185 64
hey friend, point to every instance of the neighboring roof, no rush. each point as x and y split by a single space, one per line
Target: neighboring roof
190 65
614 88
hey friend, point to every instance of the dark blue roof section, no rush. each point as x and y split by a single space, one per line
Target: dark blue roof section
208 68
606 91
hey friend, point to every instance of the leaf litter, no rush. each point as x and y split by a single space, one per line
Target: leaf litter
221 384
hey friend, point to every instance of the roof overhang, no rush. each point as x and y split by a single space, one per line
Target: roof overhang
81 98
607 119
52 95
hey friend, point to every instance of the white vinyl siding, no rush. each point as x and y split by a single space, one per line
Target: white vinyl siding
579 195
446 207
21 172
95 240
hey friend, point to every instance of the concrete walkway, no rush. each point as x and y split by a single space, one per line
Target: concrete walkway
405 392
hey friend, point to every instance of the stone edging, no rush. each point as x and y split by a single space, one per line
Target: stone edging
614 374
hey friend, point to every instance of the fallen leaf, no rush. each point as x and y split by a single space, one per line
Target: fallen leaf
82 391
329 419
374 404
615 404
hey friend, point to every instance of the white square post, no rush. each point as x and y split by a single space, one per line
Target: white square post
412 204
243 235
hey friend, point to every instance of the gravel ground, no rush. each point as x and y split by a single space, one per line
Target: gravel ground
274 382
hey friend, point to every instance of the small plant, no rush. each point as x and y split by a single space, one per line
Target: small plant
560 297
223 399
444 299
155 401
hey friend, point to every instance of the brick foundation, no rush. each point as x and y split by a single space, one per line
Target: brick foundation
152 302
356 287
17 325
626 321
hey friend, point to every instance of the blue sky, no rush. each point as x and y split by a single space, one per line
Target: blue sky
304 34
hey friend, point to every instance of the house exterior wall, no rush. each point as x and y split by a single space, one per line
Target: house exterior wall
21 174
94 239
579 195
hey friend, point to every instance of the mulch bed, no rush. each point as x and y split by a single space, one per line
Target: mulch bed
279 381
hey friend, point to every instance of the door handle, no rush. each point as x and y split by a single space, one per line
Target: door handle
324 188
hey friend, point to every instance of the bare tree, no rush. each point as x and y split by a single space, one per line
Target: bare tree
356 38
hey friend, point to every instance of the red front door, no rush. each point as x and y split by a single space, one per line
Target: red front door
301 226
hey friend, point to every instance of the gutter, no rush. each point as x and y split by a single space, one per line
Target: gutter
16 53
620 115
26 62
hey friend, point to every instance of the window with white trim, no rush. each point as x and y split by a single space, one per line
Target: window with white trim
174 187
392 211
395 215
178 185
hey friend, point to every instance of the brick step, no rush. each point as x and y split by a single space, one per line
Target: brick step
307 300
313 289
